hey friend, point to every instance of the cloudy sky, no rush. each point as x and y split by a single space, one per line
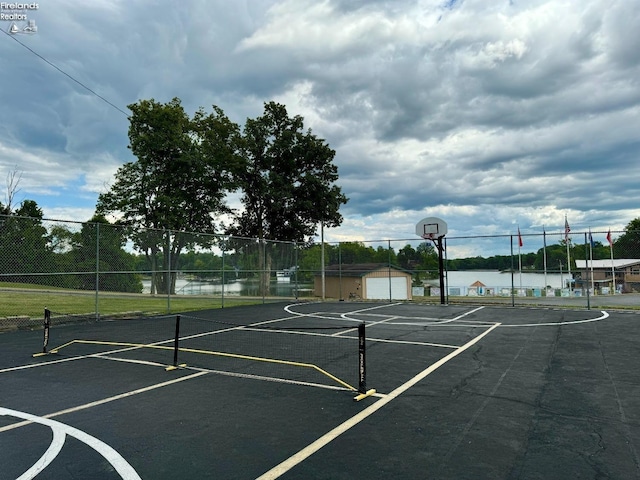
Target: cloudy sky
490 114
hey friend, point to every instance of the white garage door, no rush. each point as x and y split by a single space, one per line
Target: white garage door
378 288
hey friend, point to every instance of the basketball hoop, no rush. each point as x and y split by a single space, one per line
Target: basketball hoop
431 228
434 229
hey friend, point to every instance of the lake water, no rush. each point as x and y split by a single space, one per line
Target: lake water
236 288
459 283
496 279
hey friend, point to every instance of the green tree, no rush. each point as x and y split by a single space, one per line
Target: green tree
24 244
627 245
287 183
184 169
556 256
100 245
63 241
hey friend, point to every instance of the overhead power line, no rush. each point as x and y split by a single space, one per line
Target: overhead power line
13 37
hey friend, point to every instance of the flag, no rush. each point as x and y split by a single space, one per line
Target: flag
591 240
520 242
609 238
566 228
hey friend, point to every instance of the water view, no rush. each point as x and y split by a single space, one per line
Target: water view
240 287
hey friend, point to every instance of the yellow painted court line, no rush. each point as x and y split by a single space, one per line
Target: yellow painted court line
157 345
251 376
106 400
269 360
210 352
309 450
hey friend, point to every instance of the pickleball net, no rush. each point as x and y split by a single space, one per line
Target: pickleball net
300 350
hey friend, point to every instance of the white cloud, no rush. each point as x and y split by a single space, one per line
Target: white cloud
479 112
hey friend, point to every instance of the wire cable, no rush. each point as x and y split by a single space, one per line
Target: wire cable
13 37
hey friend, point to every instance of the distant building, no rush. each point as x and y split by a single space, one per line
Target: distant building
364 281
603 274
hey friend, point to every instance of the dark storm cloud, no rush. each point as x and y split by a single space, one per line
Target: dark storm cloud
486 113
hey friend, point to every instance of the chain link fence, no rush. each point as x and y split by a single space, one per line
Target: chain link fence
97 270
584 270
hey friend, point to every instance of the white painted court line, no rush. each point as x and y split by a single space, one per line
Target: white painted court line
455 319
310 449
409 342
288 309
49 455
111 352
437 322
120 465
106 400
604 316
344 316
368 309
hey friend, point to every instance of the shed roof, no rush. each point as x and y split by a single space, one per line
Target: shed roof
357 269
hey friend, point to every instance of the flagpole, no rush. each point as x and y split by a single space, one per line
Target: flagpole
520 259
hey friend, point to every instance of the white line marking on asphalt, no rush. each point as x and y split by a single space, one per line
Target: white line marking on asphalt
604 316
106 400
52 452
310 449
120 465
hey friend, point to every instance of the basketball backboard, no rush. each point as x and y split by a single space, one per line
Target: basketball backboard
431 228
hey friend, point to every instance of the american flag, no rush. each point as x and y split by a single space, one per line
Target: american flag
520 242
566 229
609 238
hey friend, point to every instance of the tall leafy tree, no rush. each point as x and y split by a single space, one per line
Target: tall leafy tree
288 183
24 244
627 245
184 169
100 245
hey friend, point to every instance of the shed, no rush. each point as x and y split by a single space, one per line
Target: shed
477 288
366 281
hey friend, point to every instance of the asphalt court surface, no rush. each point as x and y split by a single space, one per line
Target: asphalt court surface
461 392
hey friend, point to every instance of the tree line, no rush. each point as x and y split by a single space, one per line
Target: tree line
58 256
186 169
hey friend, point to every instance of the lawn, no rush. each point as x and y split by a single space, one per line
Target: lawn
31 300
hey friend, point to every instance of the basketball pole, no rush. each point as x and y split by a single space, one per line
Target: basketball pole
434 229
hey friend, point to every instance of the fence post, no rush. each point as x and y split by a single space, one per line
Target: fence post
167 269
389 270
222 289
513 298
295 263
340 269
97 303
587 271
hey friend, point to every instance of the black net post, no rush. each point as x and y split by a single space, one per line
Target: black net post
175 342
47 326
362 361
